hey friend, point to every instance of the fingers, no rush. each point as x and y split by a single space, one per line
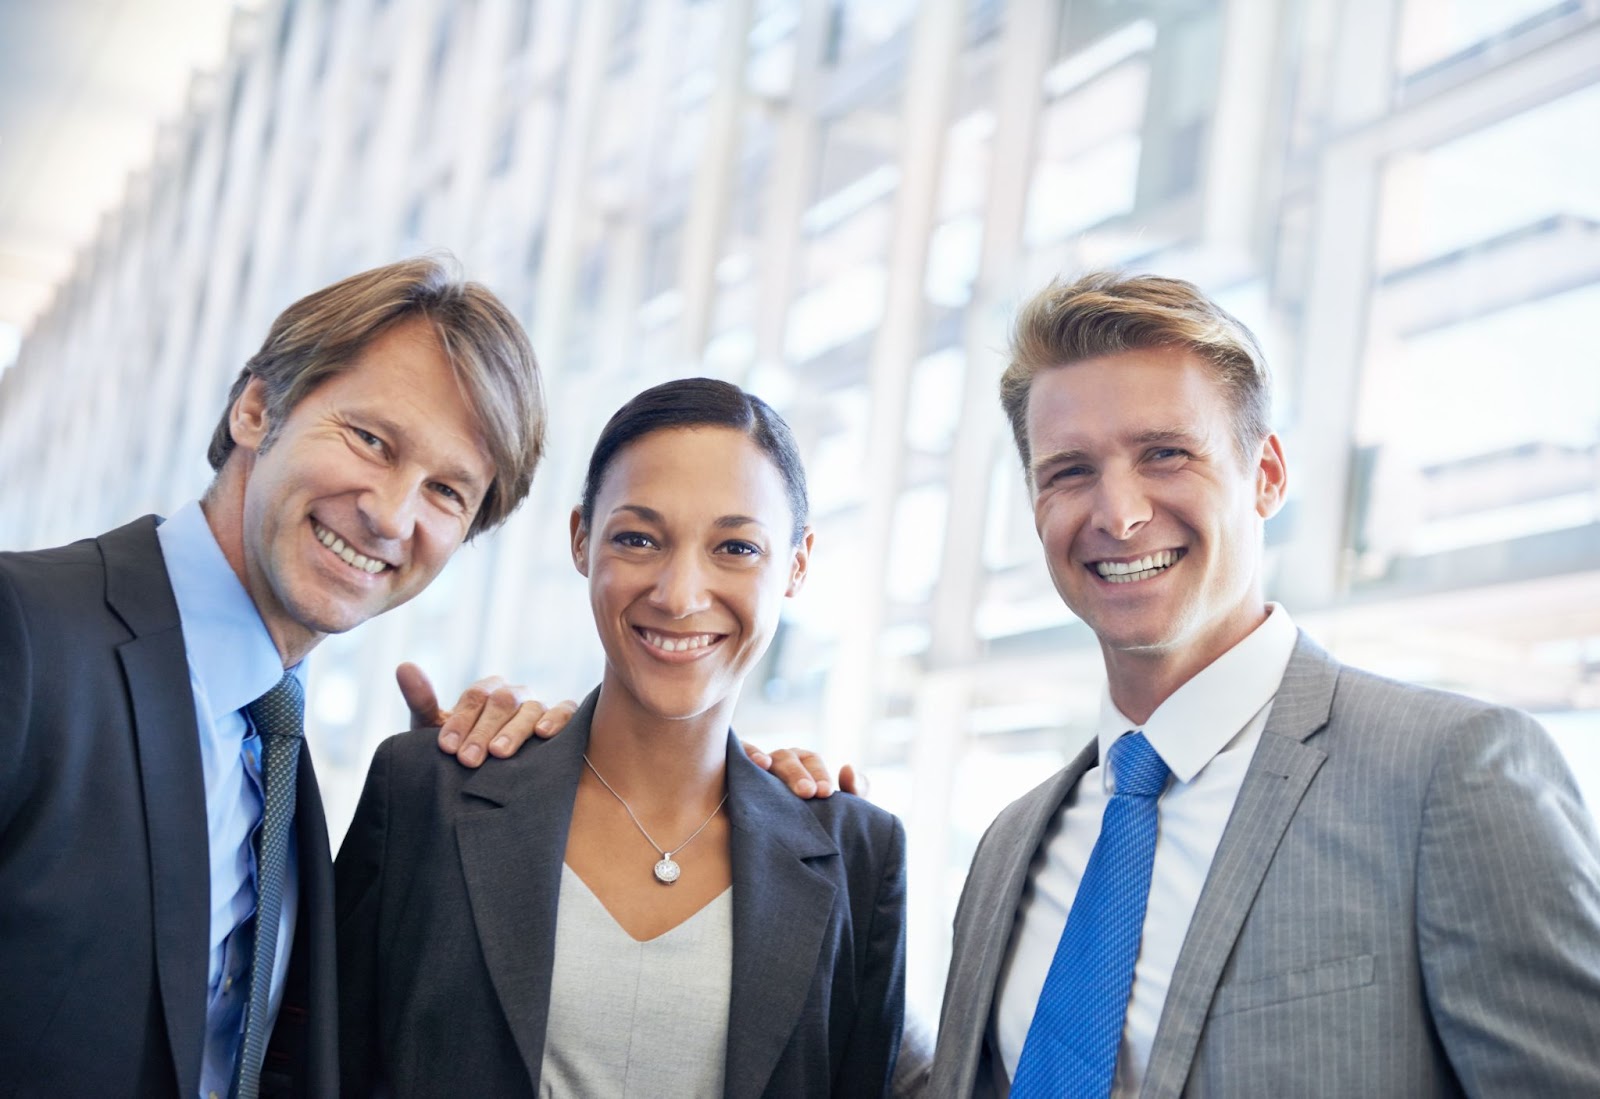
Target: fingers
757 756
417 690
529 718
803 771
485 710
493 717
554 720
854 782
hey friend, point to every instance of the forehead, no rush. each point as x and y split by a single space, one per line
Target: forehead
1115 397
695 470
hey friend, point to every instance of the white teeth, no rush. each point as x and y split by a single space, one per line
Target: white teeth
351 557
1124 572
678 644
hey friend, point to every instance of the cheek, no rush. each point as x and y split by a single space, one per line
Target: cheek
429 552
759 602
1055 525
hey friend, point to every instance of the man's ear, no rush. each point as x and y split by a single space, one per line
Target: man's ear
1272 478
580 541
247 419
800 562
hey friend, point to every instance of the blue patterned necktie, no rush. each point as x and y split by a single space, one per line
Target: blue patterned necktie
278 717
1071 1049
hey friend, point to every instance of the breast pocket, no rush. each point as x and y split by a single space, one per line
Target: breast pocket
1297 984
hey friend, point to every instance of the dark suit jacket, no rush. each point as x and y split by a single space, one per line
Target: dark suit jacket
1405 902
447 893
104 887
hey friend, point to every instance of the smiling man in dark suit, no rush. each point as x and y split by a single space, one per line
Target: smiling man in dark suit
143 674
1270 873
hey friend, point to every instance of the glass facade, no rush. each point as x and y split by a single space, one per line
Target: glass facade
838 204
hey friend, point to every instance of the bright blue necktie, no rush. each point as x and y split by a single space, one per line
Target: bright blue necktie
278 717
1071 1049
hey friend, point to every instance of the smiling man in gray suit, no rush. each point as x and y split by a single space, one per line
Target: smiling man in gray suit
1308 880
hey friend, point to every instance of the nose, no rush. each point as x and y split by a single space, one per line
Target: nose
680 588
389 507
1121 506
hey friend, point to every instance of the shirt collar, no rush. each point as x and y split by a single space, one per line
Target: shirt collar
230 652
1206 713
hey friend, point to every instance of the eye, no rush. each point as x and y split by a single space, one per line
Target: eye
1167 453
448 493
1066 473
738 547
632 539
367 438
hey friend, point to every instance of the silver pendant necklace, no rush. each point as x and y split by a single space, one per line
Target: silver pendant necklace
667 871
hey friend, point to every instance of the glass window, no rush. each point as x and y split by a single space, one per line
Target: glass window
1479 417
1434 30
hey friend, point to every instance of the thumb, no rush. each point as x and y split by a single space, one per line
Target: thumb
417 689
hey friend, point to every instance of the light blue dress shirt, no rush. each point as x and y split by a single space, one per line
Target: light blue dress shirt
232 662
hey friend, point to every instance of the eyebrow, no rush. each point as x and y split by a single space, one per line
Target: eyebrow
651 515
1148 437
1167 435
1060 457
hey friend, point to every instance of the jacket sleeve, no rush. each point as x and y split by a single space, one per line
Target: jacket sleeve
1508 903
358 891
16 703
869 1057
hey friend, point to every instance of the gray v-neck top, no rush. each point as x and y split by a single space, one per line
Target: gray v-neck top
636 1019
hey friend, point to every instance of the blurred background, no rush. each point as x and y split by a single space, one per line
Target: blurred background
839 204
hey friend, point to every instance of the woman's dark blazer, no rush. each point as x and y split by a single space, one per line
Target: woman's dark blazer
447 885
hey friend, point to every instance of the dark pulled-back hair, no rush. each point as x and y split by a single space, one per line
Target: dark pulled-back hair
700 402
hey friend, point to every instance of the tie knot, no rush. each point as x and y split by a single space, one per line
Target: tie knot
1135 767
281 711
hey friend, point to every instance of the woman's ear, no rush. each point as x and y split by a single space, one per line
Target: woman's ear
580 541
800 562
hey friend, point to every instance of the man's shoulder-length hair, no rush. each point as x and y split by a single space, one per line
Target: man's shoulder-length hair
324 332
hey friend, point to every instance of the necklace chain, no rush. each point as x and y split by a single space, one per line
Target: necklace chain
666 870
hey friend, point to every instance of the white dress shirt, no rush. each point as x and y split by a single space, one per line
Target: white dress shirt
1206 733
232 662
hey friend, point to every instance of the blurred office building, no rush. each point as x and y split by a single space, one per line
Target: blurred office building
839 204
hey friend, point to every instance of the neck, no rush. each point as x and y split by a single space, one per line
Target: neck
658 764
1140 680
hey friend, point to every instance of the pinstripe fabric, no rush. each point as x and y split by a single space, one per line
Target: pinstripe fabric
1406 903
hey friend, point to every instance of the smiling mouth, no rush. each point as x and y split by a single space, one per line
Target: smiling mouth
681 644
1146 567
358 561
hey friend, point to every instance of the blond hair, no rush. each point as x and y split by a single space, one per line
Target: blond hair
324 332
1107 313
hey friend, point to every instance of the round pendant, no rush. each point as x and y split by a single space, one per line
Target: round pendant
667 871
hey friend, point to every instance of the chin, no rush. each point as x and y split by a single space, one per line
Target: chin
668 704
1133 638
328 617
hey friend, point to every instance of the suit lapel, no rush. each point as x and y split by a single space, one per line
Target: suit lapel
318 953
997 893
156 667
1277 779
511 855
781 910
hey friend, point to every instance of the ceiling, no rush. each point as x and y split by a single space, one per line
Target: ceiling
84 86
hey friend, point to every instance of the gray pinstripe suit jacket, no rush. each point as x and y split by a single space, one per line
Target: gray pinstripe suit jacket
1406 902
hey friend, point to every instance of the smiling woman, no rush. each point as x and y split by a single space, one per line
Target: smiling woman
625 952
